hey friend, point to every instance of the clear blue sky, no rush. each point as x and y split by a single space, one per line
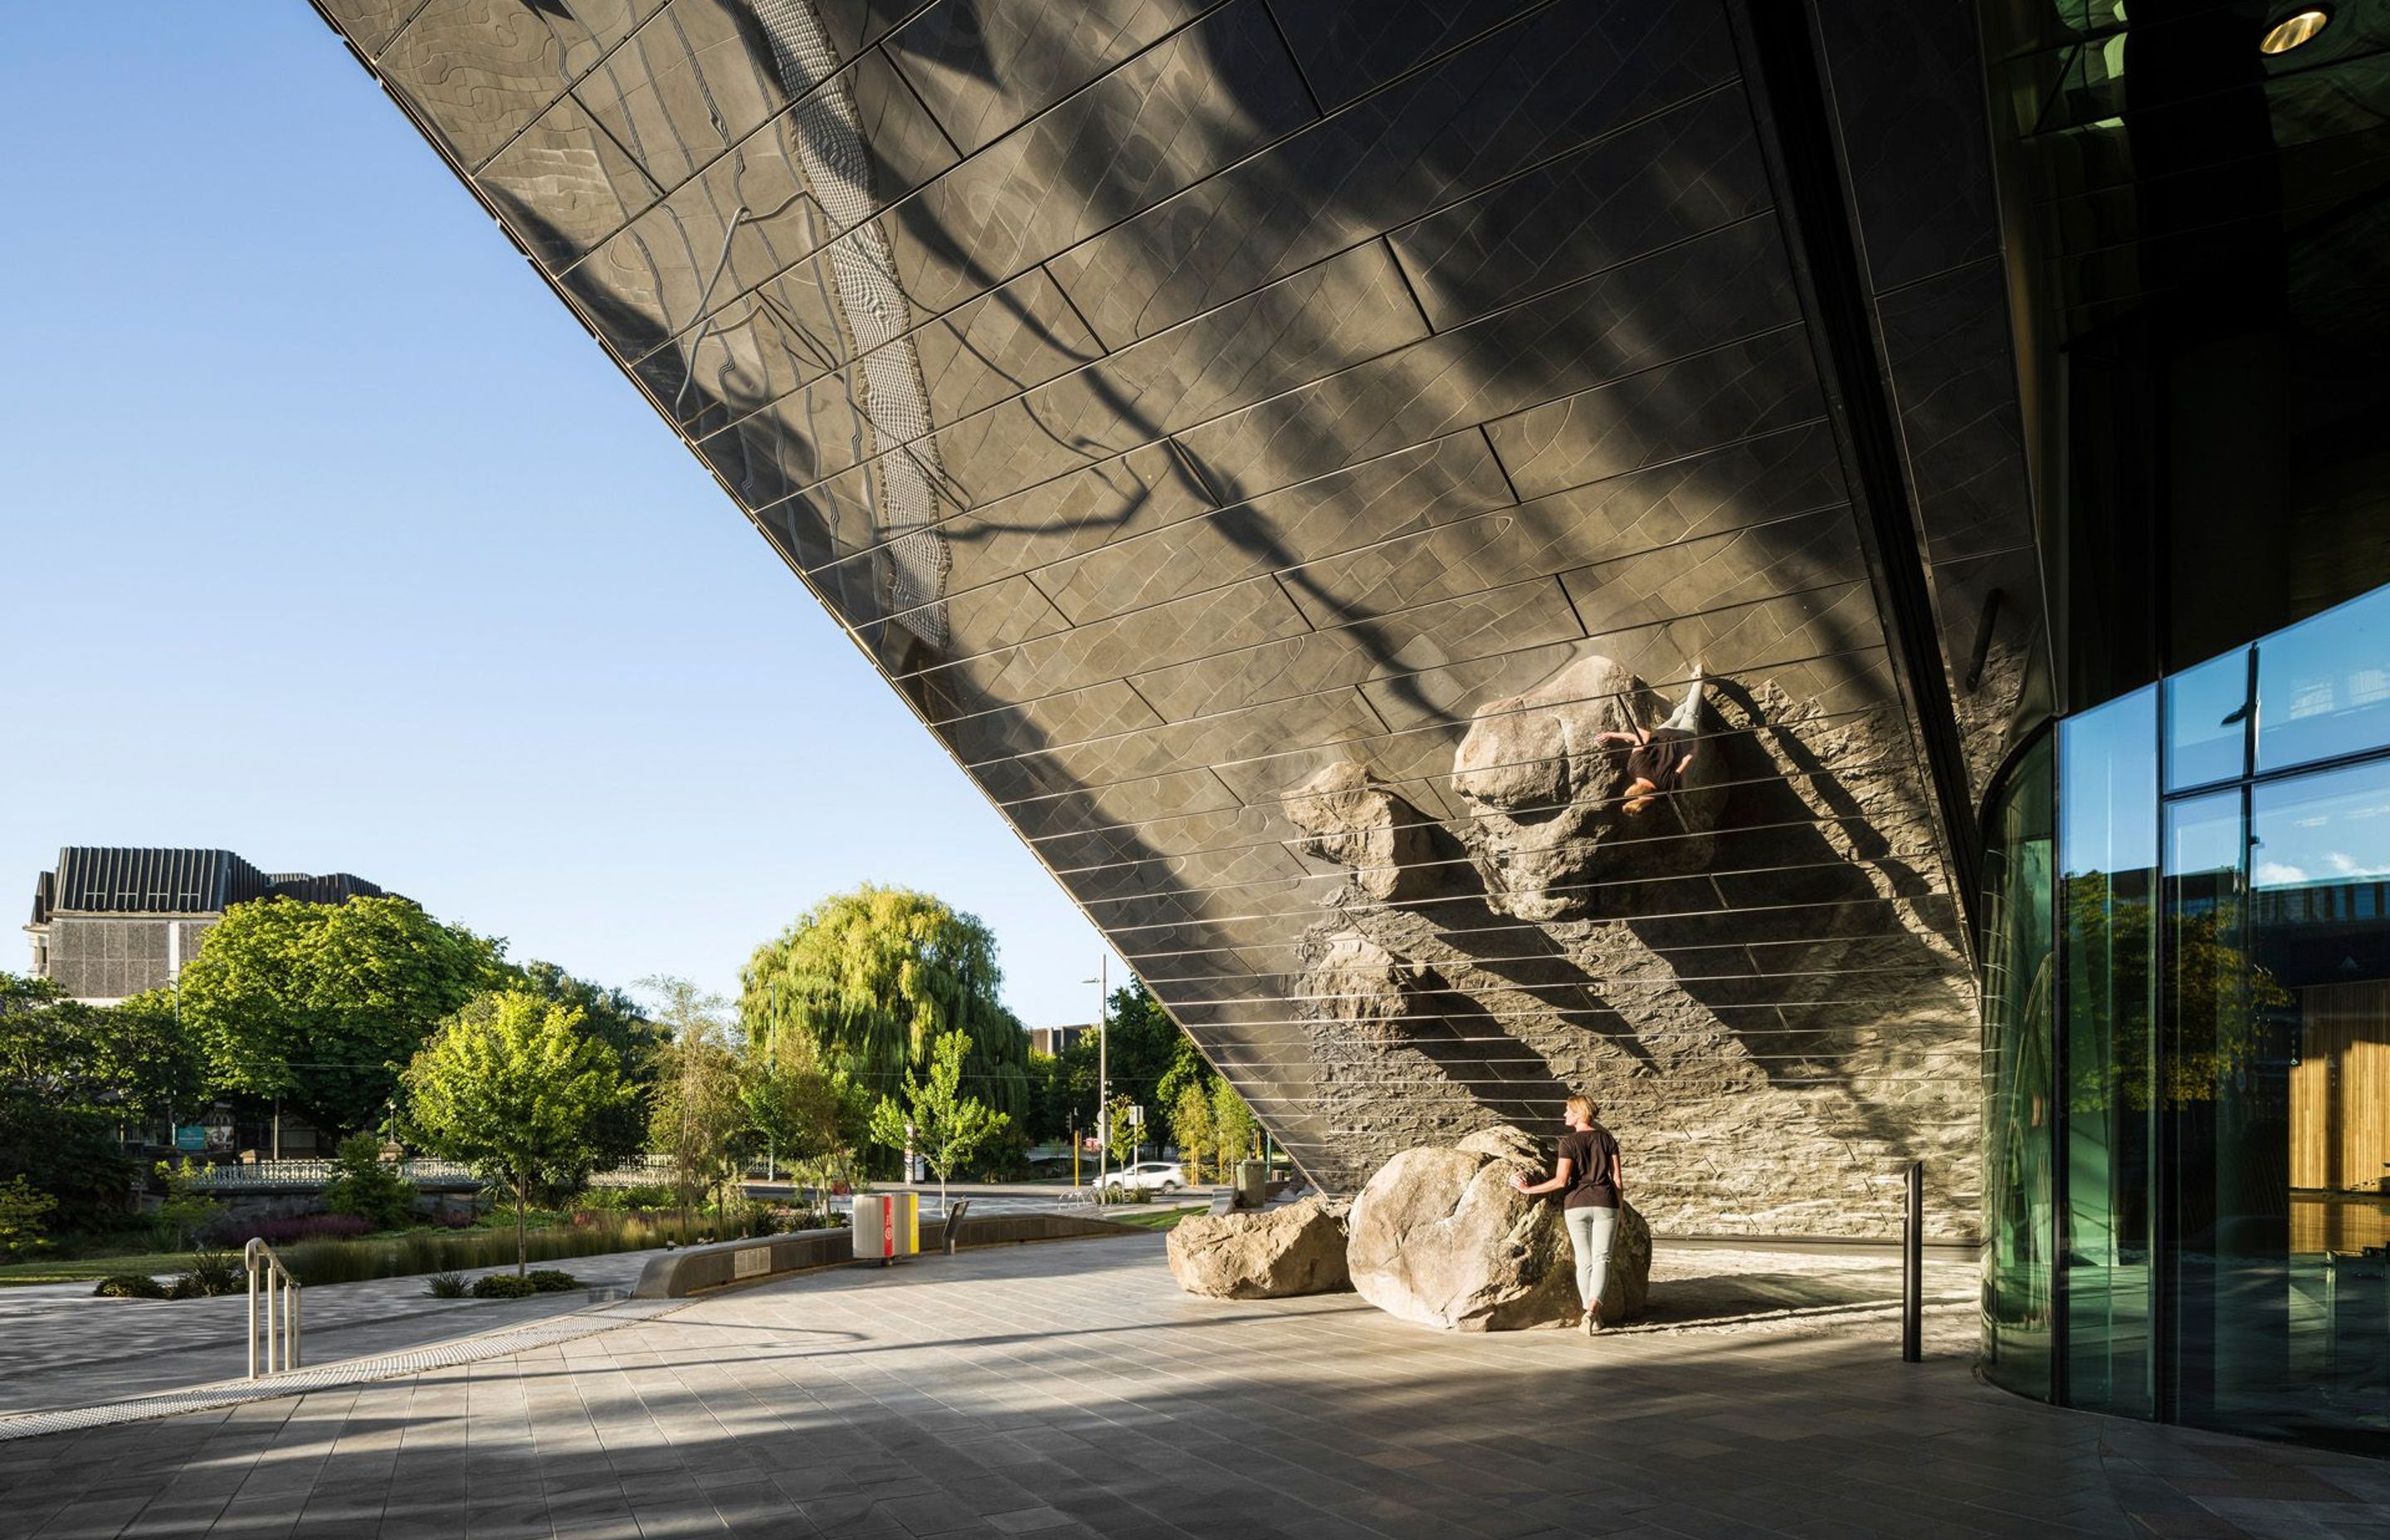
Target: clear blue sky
328 536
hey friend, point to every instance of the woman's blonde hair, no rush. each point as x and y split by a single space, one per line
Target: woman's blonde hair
1583 1107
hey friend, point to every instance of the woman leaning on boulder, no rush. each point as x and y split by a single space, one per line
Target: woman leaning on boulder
1589 1172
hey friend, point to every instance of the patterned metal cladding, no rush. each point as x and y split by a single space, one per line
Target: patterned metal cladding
1352 482
118 880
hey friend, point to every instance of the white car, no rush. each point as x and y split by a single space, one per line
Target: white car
1148 1176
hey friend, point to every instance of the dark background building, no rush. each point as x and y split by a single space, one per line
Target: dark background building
1054 1040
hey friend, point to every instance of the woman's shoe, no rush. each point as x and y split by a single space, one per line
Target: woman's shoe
1593 1322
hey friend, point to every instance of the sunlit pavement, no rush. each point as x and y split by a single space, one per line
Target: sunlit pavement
1070 1389
61 1347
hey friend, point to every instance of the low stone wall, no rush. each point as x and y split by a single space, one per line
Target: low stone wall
690 1269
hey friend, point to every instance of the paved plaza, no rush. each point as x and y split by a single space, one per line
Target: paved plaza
60 1347
1071 1390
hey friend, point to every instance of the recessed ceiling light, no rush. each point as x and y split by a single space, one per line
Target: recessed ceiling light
2299 27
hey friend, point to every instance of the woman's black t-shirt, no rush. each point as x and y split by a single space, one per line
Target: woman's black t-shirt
1590 1152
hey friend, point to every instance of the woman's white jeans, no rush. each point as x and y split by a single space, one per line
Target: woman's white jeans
1590 1231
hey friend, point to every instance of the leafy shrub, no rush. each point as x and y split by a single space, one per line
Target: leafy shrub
446 1285
755 1219
130 1286
503 1286
548 1281
25 1210
210 1273
322 1261
367 1188
621 1199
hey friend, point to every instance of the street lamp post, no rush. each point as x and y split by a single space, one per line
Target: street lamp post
1102 981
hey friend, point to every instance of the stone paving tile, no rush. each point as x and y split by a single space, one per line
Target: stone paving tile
1071 1391
60 1347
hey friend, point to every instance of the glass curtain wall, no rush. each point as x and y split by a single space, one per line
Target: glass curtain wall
2108 866
2187 1042
2020 1240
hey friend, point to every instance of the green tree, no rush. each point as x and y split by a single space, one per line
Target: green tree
1152 1063
1121 1137
1147 1055
512 1086
1191 1125
698 1116
948 1126
149 1063
45 1040
70 1075
367 1186
70 1153
318 1004
875 977
1234 1127
25 1210
186 1210
615 1017
803 1111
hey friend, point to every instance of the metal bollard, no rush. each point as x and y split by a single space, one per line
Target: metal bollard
1912 1267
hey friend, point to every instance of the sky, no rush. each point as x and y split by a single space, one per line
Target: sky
328 536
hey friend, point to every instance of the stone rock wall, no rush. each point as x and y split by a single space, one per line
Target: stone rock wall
1751 974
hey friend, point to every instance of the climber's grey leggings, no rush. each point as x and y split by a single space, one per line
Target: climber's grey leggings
1590 1231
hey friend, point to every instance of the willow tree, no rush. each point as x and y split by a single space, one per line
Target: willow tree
874 977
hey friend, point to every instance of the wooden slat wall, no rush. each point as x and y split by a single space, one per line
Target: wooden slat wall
2340 1092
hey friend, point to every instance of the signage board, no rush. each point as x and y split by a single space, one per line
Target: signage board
190 1138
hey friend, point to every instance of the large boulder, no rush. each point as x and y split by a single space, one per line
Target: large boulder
1294 1249
1441 1238
1627 1286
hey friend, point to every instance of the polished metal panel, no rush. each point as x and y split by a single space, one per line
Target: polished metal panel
1225 422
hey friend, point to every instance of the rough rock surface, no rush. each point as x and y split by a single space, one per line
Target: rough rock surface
1297 1249
1628 1285
1350 817
1554 830
1441 1238
1772 1040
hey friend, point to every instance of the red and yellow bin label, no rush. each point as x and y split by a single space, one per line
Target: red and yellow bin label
882 1231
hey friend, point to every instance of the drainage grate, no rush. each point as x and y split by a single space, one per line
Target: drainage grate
354 1372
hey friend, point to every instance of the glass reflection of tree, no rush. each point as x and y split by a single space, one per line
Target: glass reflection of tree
2222 997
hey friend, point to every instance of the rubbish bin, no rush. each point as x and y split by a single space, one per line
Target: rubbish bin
1253 1184
887 1226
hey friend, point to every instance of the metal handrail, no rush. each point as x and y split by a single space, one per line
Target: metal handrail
263 1264
315 1171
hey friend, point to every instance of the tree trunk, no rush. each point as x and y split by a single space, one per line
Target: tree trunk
523 1235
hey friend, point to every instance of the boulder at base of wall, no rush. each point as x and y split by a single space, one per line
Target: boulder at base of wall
1440 1237
1262 1254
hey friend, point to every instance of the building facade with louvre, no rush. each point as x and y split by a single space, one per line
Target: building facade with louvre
113 921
